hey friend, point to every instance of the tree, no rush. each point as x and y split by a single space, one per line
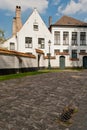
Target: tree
2 38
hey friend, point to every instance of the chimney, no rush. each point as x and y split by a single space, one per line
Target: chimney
14 26
18 18
17 23
18 11
50 20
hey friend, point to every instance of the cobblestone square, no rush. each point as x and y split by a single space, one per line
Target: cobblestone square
35 102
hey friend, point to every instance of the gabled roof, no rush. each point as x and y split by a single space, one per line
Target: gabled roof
36 19
69 21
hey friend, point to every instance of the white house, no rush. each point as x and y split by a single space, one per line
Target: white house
68 38
32 37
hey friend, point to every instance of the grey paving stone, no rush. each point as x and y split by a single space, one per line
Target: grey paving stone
35 102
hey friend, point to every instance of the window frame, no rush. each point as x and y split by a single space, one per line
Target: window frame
35 27
56 51
74 54
65 38
57 38
28 42
12 47
66 50
82 39
74 38
41 43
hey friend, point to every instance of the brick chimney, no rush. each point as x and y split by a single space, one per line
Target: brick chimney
50 20
17 23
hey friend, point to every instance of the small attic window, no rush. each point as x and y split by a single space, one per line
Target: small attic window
35 26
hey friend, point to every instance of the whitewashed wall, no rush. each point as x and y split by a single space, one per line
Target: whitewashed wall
70 47
6 44
7 61
28 31
12 61
27 62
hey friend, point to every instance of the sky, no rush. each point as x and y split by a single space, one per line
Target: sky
55 8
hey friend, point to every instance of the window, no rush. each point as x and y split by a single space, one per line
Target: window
56 51
41 43
74 54
65 38
82 51
56 38
74 38
35 26
28 42
12 46
82 38
66 51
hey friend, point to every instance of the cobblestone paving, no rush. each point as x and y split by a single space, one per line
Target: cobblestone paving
35 102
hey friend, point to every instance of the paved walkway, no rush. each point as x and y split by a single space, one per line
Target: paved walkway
35 102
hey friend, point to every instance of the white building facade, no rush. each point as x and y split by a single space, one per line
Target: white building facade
68 39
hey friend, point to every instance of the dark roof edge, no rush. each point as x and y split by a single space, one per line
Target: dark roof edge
67 26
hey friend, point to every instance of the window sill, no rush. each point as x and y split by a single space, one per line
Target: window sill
56 44
82 53
66 44
62 53
74 44
28 47
83 44
74 59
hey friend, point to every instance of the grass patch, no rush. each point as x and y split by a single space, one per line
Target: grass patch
50 70
19 75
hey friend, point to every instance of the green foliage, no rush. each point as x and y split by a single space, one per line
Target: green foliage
2 38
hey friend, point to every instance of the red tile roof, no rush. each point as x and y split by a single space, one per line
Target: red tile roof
69 21
51 57
62 53
4 51
39 51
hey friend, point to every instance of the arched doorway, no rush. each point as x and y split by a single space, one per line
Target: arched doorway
62 62
85 62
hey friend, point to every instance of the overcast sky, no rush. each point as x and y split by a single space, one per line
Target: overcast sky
46 8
